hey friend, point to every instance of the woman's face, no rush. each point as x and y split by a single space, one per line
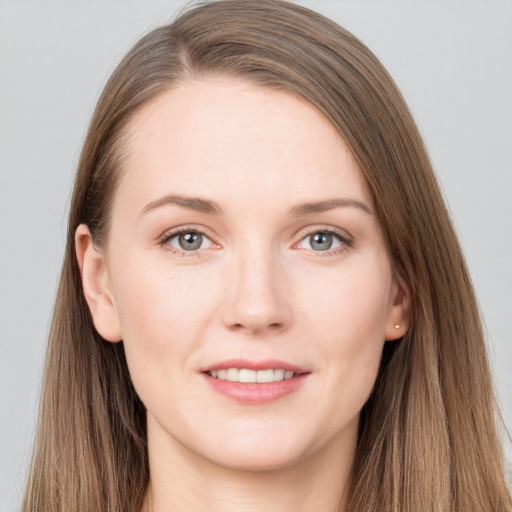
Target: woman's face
244 246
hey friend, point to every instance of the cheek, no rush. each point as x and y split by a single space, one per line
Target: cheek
349 318
163 314
350 303
163 317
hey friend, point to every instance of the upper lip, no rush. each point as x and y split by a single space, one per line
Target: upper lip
255 365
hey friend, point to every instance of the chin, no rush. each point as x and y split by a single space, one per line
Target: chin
258 459
266 450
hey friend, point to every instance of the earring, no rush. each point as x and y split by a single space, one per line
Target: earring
397 326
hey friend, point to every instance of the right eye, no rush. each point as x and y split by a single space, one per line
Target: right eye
188 240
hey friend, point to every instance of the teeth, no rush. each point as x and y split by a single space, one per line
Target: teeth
264 376
246 375
278 374
232 374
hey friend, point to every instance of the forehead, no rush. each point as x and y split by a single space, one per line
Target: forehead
233 139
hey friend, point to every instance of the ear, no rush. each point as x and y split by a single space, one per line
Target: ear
399 316
97 286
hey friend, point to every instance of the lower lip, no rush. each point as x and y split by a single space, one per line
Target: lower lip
253 393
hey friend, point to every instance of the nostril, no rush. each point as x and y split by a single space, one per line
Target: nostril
273 326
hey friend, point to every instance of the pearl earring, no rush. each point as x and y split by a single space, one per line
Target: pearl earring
397 326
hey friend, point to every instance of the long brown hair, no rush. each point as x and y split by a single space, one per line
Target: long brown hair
428 438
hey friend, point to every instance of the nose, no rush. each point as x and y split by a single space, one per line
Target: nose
257 300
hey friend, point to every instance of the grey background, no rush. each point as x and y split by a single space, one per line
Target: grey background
452 60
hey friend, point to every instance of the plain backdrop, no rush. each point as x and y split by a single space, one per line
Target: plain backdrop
451 59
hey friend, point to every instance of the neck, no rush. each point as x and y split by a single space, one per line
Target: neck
182 481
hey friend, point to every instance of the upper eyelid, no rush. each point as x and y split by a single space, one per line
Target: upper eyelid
309 230
174 234
170 233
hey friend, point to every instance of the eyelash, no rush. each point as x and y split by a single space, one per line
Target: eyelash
345 240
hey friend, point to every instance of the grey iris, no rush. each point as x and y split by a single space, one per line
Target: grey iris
190 241
321 241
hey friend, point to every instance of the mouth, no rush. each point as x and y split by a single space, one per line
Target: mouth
255 383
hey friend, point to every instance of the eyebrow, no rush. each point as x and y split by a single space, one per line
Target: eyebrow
212 208
329 204
191 203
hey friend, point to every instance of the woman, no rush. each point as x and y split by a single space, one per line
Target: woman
263 304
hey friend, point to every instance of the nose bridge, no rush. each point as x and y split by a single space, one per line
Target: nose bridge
258 298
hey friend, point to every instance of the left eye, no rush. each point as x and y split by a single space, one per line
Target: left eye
189 241
320 241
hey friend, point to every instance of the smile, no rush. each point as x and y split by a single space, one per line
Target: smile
255 382
248 375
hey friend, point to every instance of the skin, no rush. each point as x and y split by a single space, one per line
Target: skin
256 289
